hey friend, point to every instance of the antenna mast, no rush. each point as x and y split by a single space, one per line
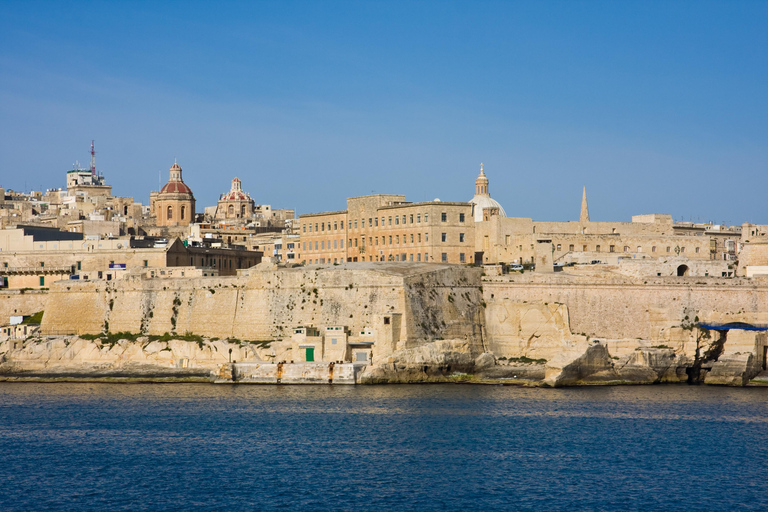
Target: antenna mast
93 160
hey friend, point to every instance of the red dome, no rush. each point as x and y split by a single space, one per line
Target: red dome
175 187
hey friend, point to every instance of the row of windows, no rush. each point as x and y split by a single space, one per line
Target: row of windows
413 218
612 248
337 244
183 212
417 257
393 240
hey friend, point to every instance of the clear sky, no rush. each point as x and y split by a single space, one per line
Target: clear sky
655 107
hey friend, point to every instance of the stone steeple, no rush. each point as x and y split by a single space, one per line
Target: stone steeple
584 217
481 183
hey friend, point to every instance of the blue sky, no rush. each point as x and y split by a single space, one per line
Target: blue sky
655 107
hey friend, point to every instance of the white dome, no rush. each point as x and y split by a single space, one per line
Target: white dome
482 201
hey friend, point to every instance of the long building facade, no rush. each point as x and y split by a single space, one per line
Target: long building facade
387 228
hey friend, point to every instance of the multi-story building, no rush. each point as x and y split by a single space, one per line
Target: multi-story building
387 228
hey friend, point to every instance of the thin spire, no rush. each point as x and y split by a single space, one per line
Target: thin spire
584 217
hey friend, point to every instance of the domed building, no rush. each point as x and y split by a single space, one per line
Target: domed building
483 200
235 204
174 205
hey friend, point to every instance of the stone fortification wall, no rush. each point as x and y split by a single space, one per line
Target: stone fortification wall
641 309
268 304
18 302
537 316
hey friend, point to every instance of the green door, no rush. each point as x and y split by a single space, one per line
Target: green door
310 354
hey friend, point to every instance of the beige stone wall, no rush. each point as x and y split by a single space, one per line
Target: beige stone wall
442 302
655 309
15 302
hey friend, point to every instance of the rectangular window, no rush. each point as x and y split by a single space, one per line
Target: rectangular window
342 244
667 249
570 247
322 244
419 238
444 237
411 237
304 228
146 264
397 220
461 219
461 257
426 237
639 249
370 222
355 242
335 226
403 219
682 249
626 248
322 226
335 243
411 219
426 256
304 246
42 280
653 249
355 224
397 239
418 257
461 239
444 257
410 256
341 224
584 248
612 248
426 217
697 249
418 218
443 217
376 222
597 248
315 227
390 239
558 247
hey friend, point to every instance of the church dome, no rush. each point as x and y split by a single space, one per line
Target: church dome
483 199
175 187
176 184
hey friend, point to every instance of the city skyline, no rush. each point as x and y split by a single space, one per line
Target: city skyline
655 108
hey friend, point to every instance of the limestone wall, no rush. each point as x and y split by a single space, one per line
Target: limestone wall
17 302
530 312
442 301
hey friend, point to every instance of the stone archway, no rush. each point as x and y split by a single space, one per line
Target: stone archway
682 270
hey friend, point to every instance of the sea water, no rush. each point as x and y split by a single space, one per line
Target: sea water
111 447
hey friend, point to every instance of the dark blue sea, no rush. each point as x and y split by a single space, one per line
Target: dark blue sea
114 447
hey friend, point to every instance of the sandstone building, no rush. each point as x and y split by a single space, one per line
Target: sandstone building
235 204
387 228
174 205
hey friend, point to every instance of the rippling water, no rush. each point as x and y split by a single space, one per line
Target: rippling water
428 447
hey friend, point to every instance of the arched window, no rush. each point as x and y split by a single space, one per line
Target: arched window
183 212
170 212
242 210
231 209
